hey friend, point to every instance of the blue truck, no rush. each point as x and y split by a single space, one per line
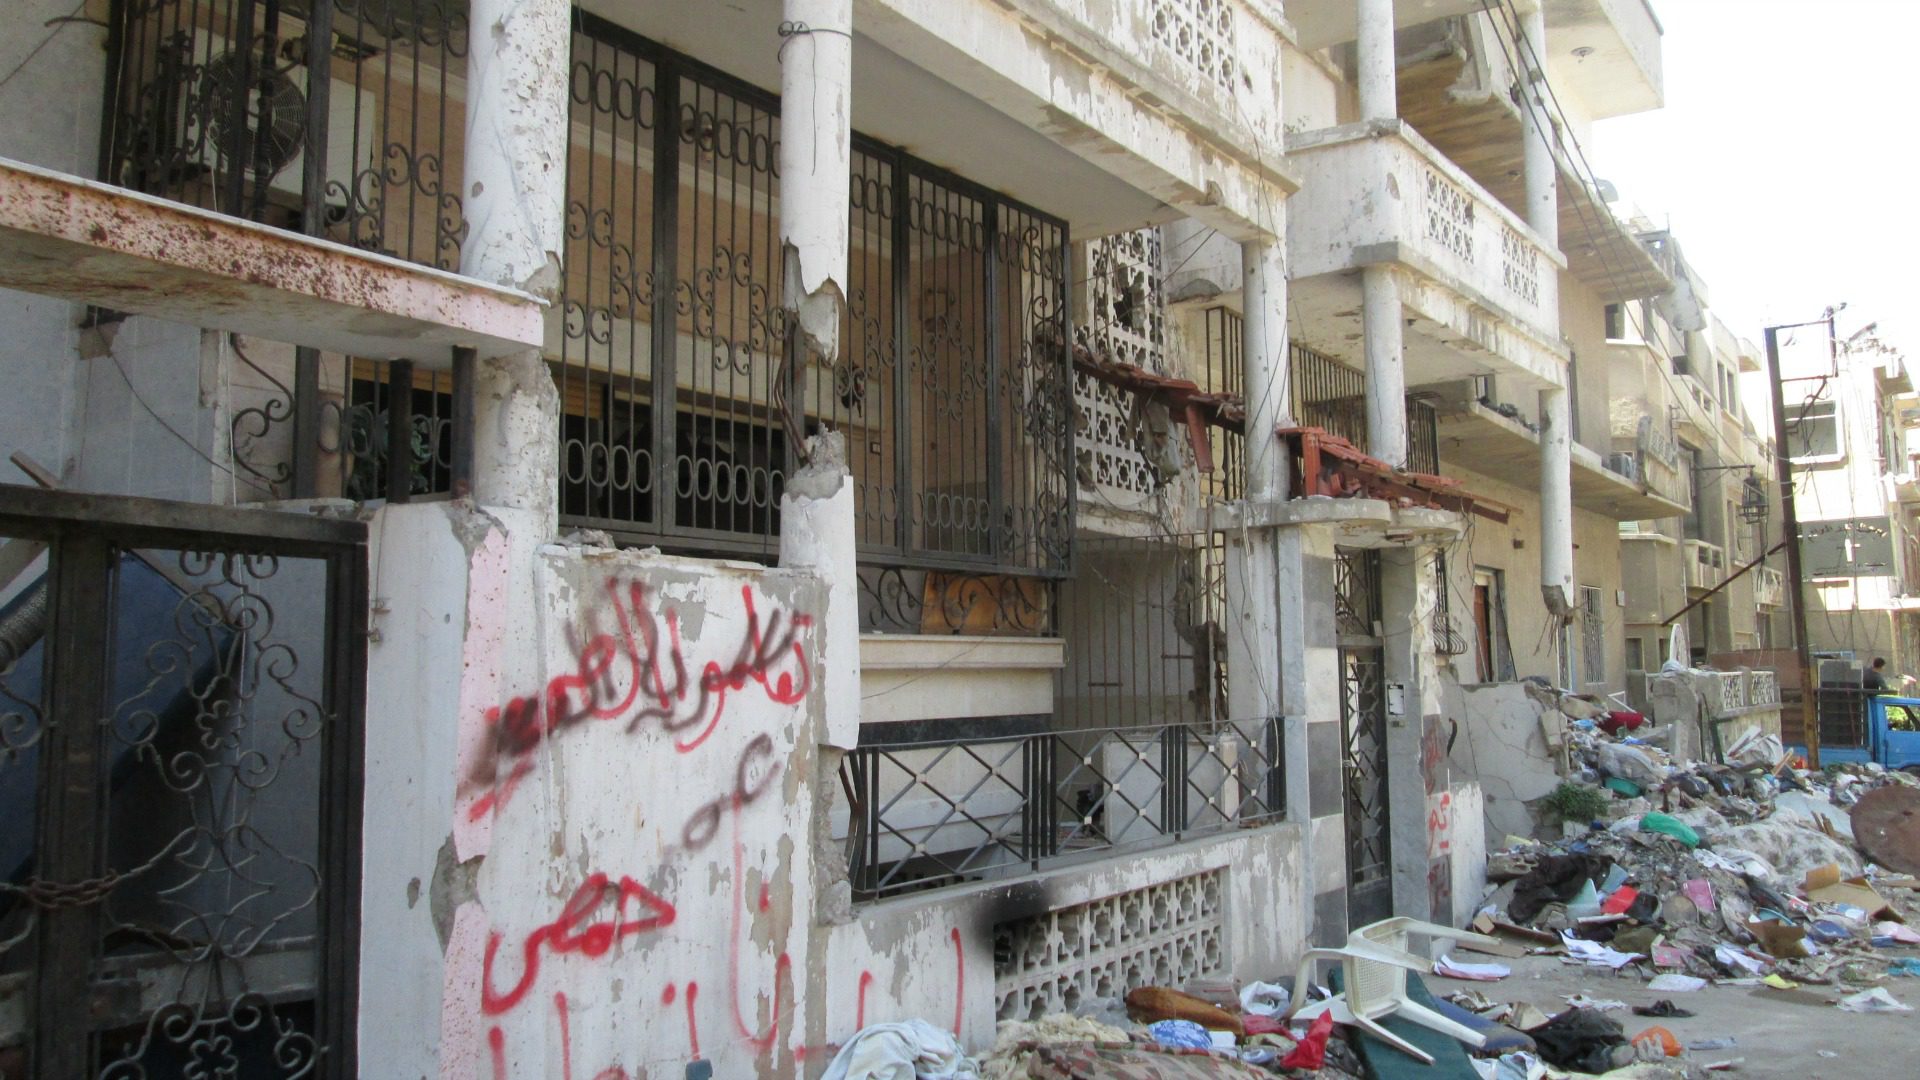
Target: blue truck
1857 728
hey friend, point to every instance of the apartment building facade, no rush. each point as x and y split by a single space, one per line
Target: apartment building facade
542 616
1850 413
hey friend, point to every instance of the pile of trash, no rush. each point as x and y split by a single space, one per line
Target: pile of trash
1755 873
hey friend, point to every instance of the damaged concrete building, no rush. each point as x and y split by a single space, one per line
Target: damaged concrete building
631 538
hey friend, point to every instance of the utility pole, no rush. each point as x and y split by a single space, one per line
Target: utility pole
1790 526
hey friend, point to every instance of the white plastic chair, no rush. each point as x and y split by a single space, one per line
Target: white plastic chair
1374 964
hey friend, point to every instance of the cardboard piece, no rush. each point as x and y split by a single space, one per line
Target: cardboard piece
1824 886
1780 940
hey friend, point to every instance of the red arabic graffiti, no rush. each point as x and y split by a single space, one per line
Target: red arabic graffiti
772 658
567 934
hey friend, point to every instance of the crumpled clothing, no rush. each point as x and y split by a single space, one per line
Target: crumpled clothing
1181 1033
1558 878
907 1050
1579 1039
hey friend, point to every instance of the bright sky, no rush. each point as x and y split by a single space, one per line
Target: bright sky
1785 160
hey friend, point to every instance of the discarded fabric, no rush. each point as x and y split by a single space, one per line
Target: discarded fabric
1184 1033
907 1050
1581 1039
1311 1051
1667 825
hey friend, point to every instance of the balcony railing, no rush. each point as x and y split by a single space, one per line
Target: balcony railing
1325 393
927 814
680 403
1441 223
1706 564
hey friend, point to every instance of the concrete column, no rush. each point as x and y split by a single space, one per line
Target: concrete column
515 204
1374 48
817 534
1537 167
816 148
1386 373
1407 599
1556 503
817 530
1253 658
1264 356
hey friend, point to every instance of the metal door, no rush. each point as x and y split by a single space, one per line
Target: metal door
1363 723
179 752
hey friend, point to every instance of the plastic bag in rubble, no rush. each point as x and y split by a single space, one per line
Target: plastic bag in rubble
1264 999
1628 762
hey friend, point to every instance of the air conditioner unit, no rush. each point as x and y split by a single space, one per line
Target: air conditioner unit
351 112
1624 464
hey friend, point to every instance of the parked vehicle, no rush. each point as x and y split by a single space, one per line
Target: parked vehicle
1861 727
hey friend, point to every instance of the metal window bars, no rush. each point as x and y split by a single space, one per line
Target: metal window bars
344 119
927 814
1326 394
680 385
341 119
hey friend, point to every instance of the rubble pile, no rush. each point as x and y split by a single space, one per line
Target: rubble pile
1687 875
1672 876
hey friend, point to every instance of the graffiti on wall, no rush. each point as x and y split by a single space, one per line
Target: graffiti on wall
621 677
712 721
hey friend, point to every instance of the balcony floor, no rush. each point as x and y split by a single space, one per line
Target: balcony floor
1503 449
82 241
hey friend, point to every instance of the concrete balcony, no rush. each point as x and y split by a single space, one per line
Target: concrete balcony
1608 53
87 242
1507 449
1482 292
1706 564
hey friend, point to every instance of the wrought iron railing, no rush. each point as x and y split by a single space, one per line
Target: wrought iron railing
1326 393
682 397
927 814
682 393
342 119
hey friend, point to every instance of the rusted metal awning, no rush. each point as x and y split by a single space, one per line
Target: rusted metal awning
92 243
1324 464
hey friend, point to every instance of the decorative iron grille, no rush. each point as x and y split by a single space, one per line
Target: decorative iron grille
953 386
179 754
341 119
926 814
1363 721
1447 640
1166 934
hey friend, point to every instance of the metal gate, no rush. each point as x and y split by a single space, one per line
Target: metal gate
1363 725
179 782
